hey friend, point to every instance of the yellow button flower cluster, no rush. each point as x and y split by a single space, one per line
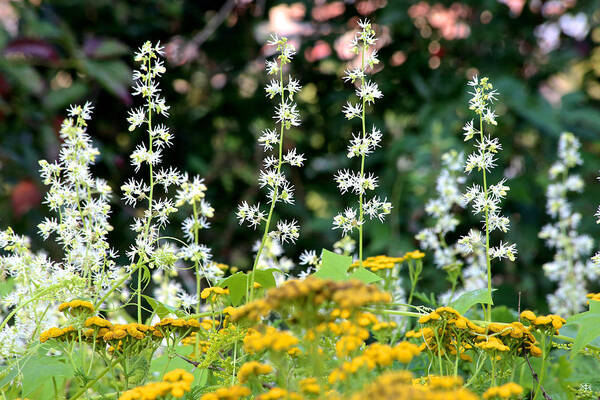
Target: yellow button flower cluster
347 295
253 368
550 321
175 383
507 391
272 339
74 306
229 393
399 385
279 394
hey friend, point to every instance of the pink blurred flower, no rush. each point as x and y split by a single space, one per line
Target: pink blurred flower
319 51
515 6
328 11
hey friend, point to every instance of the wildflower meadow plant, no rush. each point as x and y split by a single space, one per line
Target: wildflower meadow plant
468 267
363 143
485 199
272 176
66 332
571 265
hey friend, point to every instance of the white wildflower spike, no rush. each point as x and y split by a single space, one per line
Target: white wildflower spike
485 200
570 267
272 177
363 143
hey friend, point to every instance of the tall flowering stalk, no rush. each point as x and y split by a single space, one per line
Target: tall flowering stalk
468 268
272 177
363 143
156 216
485 200
567 267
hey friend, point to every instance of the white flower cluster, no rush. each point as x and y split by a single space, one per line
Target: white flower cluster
81 203
164 257
81 225
38 285
272 177
452 256
569 267
157 214
485 200
363 143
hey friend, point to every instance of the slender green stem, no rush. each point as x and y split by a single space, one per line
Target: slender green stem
275 191
95 380
362 164
543 367
488 316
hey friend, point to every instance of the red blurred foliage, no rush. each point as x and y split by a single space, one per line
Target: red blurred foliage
30 48
25 196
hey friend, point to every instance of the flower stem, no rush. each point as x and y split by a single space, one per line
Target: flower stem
275 191
488 316
362 165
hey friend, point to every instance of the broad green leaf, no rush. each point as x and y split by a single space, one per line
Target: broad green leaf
40 369
469 299
364 275
237 284
333 266
265 277
161 309
589 327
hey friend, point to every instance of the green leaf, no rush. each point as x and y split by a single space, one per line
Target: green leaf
266 277
40 370
237 284
161 309
335 267
364 275
469 299
589 327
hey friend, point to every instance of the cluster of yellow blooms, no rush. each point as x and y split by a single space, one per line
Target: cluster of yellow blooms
454 333
76 306
229 393
593 296
347 295
175 383
401 385
548 322
213 293
375 355
506 391
382 262
119 336
253 368
279 394
271 339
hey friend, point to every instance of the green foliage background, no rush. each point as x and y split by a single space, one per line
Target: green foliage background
67 51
